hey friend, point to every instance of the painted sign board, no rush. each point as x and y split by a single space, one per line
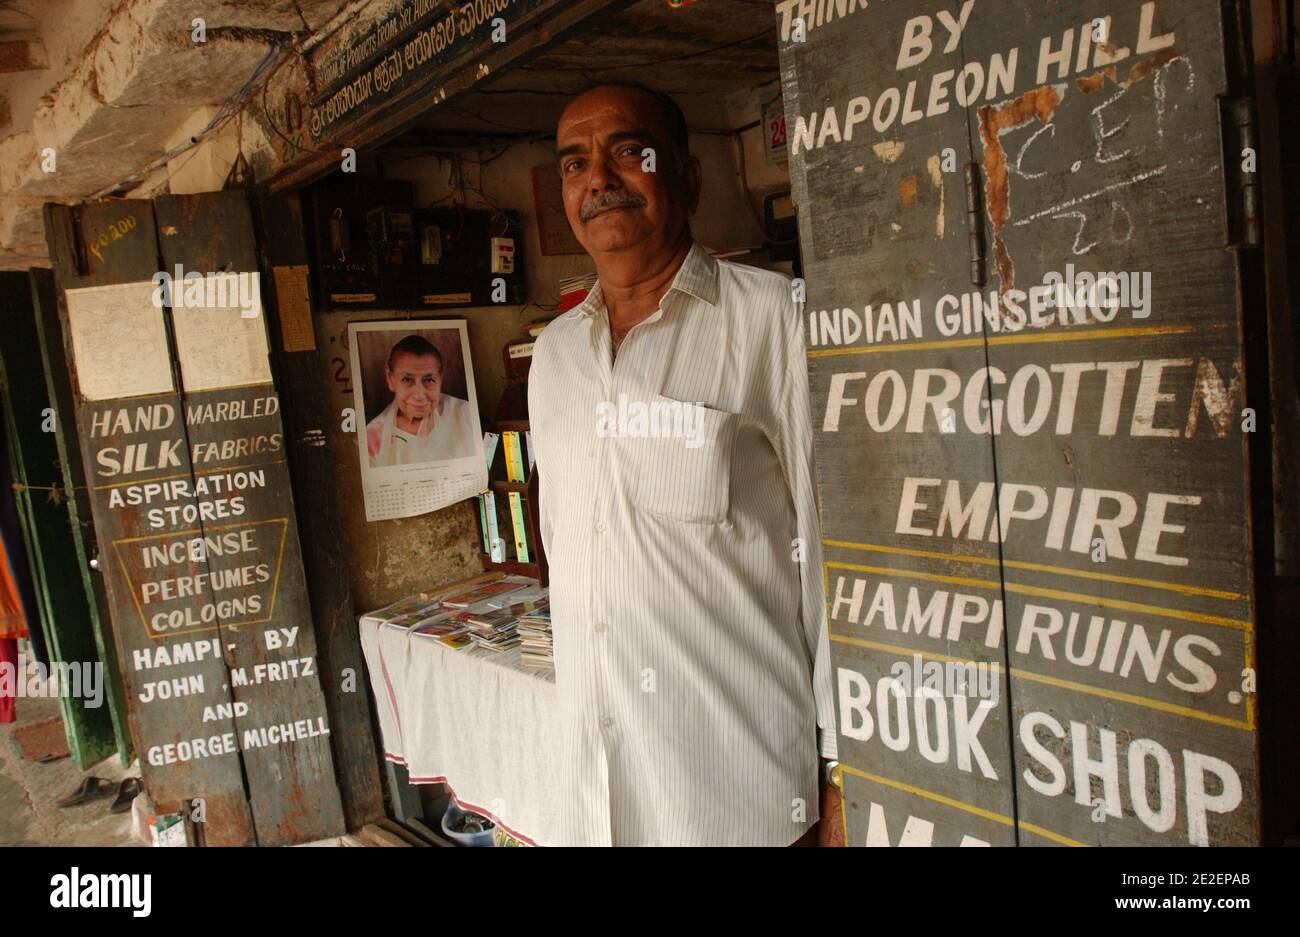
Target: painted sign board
190 493
410 42
1024 349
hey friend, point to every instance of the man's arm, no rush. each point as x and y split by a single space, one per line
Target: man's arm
794 424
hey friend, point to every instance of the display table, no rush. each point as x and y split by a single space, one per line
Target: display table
473 719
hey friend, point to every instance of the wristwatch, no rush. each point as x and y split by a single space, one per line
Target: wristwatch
828 774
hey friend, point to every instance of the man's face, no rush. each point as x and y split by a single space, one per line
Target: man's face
611 202
416 383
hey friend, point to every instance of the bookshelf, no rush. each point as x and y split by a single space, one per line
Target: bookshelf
511 417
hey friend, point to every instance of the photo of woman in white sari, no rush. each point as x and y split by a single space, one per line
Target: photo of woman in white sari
421 423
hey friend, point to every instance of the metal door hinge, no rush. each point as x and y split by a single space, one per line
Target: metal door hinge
75 236
1241 164
975 224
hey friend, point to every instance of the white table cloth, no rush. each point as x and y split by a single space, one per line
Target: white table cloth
473 719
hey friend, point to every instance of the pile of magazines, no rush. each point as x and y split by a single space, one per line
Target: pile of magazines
536 648
498 629
496 615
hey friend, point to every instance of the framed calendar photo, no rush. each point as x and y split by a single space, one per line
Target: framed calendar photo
419 438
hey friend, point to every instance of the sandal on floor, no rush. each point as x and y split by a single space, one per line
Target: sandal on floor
90 788
126 793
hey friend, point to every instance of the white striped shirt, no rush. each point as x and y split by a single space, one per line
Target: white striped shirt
689 636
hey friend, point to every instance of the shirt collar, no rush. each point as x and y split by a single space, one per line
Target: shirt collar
697 276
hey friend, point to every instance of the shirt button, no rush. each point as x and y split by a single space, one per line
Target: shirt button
600 527
600 627
607 722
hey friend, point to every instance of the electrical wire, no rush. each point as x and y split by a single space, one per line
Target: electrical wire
399 153
235 103
650 64
266 113
549 310
228 109
499 153
487 120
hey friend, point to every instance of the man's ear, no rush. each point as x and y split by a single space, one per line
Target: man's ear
694 181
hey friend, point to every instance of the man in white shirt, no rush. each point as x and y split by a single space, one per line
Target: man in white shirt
671 421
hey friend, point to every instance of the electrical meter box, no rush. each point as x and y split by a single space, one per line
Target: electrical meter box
467 257
364 238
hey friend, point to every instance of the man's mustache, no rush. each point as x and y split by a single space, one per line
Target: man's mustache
619 198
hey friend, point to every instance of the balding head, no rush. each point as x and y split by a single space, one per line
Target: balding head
616 197
673 120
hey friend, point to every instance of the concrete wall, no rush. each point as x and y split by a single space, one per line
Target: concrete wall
120 78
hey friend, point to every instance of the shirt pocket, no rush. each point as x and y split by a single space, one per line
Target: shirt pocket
684 474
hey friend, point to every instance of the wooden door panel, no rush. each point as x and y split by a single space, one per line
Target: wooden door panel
1060 493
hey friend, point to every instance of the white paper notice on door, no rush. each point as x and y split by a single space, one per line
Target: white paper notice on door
220 335
119 341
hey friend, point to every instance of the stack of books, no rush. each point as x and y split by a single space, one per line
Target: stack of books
496 615
498 629
519 454
489 527
448 621
536 647
493 629
498 531
445 626
573 290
